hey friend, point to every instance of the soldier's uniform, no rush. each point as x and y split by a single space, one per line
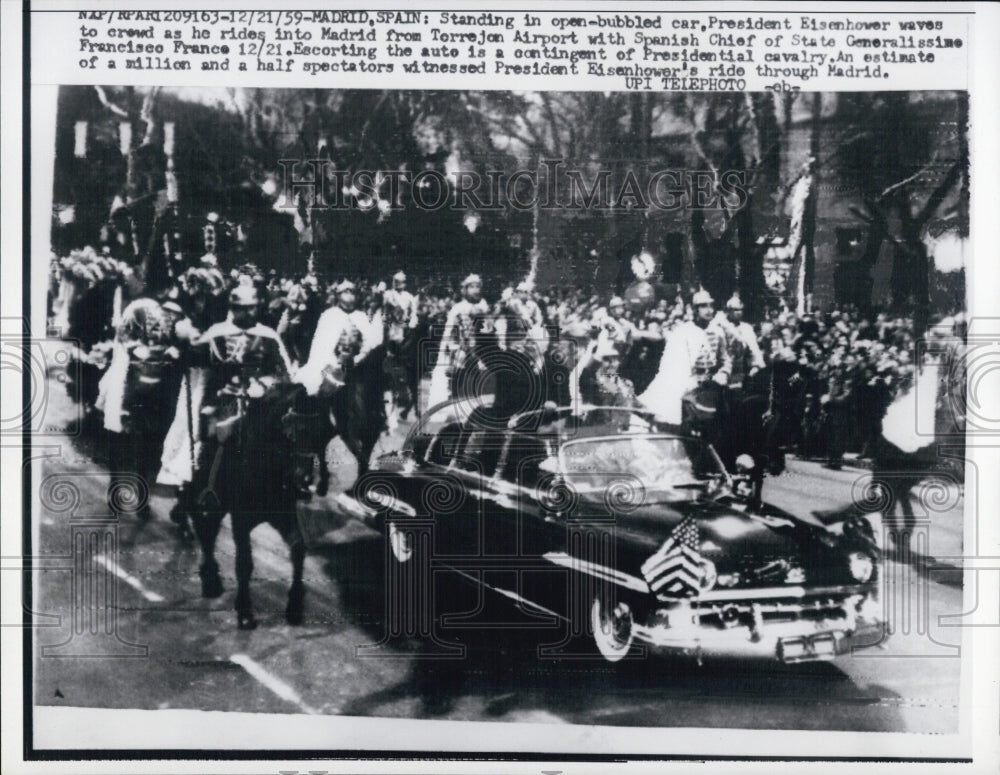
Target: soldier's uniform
243 358
237 357
741 343
400 310
342 338
693 356
615 327
137 395
401 317
458 344
740 404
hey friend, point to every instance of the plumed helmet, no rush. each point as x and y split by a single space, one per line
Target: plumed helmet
203 280
243 296
702 297
472 278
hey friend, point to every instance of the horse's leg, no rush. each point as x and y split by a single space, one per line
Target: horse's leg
366 447
323 480
297 554
357 448
314 443
412 391
411 378
244 570
206 527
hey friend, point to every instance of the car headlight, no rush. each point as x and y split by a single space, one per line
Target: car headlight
861 566
709 574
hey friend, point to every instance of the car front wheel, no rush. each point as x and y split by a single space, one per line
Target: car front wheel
612 626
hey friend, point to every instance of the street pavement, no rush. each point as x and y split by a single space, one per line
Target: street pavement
147 639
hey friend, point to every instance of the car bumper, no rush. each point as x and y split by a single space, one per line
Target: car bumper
788 642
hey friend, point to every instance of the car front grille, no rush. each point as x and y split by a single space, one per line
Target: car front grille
723 614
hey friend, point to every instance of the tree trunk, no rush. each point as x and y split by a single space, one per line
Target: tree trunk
809 215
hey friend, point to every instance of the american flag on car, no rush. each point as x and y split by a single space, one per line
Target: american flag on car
677 569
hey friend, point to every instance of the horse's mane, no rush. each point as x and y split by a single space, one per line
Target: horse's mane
271 408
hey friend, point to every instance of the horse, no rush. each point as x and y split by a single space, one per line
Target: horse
401 369
355 413
248 473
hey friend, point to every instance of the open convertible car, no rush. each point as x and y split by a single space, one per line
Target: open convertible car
598 518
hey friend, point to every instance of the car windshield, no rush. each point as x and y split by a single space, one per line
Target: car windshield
676 466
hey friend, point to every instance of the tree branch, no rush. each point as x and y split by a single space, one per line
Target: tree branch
910 179
146 114
553 126
108 104
938 195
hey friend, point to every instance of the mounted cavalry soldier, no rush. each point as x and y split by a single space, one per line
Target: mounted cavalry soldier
400 309
246 464
137 395
456 358
243 358
694 367
343 338
401 317
201 301
341 394
243 355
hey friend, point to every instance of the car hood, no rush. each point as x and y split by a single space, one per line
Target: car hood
762 548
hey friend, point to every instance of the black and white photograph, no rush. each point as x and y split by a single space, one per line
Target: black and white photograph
548 406
470 416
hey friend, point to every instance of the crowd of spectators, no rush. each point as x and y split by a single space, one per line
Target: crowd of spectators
834 372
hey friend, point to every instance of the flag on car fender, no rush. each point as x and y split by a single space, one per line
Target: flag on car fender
677 569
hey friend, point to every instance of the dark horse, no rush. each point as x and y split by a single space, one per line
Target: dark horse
402 369
247 472
355 412
749 425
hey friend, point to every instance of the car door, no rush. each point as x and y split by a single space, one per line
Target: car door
431 489
525 490
484 534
